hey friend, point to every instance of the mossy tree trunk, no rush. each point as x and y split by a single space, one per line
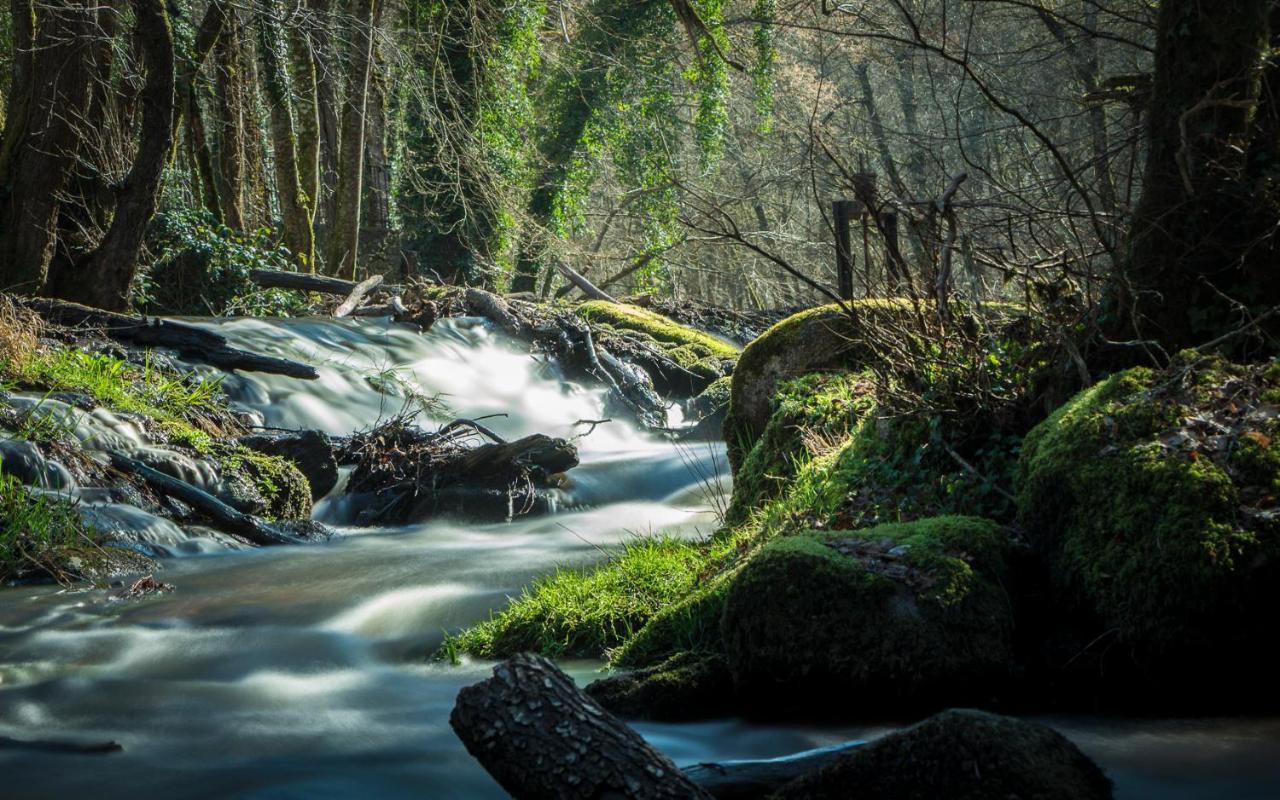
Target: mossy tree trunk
230 110
1203 234
572 100
296 209
344 232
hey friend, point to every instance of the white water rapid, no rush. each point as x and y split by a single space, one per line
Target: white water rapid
303 672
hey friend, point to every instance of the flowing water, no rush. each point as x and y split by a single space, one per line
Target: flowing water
303 672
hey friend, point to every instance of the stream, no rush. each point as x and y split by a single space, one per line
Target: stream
304 672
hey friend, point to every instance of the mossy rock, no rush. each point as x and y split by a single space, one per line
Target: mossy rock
810 415
959 755
1153 498
691 625
285 491
906 613
822 338
684 687
692 345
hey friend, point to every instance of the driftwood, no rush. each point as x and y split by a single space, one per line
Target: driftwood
357 294
223 516
301 281
191 343
393 308
55 746
750 779
414 473
542 738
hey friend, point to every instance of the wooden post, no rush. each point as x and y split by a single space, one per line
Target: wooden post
842 210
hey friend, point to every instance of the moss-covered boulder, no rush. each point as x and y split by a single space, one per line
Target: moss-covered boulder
959 755
281 489
700 358
822 338
811 415
901 613
1153 498
685 686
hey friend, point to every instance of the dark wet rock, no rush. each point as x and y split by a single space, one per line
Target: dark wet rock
959 755
24 461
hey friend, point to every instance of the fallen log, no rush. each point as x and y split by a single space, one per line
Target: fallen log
358 293
393 308
548 454
55 746
224 517
750 779
542 738
303 282
190 342
588 288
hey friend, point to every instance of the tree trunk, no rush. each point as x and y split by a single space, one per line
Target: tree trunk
328 107
542 738
295 206
48 96
230 124
376 191
344 233
104 276
1203 232
308 130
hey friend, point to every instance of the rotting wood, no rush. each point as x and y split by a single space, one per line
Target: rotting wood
543 738
190 342
302 282
357 294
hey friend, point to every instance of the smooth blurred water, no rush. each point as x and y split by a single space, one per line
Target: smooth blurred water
302 672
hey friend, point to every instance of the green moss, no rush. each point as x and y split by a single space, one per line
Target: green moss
959 755
692 345
812 415
691 625
1150 517
907 612
822 338
281 484
582 613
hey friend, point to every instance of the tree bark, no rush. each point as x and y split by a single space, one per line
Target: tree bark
230 106
542 738
103 278
344 234
48 96
1203 234
296 212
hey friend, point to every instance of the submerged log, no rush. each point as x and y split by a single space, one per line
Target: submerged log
750 779
191 342
542 738
301 281
224 517
56 746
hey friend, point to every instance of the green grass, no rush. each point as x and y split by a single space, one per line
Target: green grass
38 534
175 401
582 613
